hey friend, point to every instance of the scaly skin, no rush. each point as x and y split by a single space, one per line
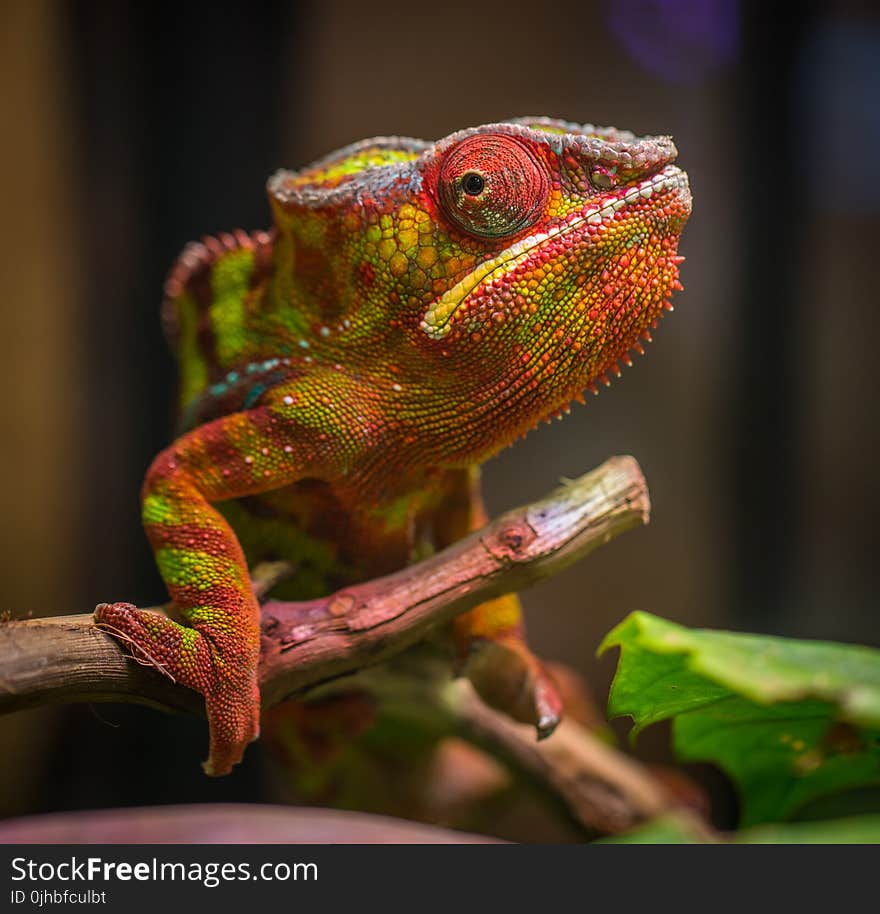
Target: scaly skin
416 308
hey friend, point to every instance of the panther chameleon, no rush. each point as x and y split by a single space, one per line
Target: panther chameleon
416 307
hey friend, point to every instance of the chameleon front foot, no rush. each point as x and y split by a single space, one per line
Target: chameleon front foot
510 678
234 721
222 669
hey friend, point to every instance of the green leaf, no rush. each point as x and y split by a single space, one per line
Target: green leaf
672 829
669 829
854 830
789 721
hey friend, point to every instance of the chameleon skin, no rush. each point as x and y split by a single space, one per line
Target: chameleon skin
415 309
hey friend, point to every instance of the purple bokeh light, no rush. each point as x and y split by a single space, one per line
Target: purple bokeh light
680 41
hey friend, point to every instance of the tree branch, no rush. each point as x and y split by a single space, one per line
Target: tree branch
67 659
602 789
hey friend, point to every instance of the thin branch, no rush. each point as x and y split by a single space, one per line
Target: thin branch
68 659
602 789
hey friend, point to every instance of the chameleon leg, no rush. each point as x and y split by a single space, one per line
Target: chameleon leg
201 561
490 639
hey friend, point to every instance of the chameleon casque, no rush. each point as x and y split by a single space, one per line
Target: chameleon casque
416 308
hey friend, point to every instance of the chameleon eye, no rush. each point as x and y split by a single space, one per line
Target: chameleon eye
492 186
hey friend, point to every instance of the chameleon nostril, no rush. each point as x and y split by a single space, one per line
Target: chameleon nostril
603 178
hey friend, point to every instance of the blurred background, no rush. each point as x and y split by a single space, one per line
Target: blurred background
133 128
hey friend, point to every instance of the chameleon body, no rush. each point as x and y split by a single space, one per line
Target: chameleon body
416 307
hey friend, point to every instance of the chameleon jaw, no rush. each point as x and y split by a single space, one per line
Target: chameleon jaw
437 320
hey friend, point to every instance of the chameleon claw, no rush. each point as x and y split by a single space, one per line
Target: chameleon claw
547 700
548 704
546 725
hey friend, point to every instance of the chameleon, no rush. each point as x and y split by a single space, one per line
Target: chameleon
415 308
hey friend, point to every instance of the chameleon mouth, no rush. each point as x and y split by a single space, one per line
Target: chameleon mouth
437 320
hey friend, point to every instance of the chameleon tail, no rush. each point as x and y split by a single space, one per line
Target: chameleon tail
206 275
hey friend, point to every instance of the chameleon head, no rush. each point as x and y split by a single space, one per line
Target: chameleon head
521 260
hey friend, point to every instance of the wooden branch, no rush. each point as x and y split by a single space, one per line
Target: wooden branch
602 789
67 659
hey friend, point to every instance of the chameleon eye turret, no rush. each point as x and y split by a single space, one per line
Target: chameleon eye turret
492 186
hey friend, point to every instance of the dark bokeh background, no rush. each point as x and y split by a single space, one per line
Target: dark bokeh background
131 128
